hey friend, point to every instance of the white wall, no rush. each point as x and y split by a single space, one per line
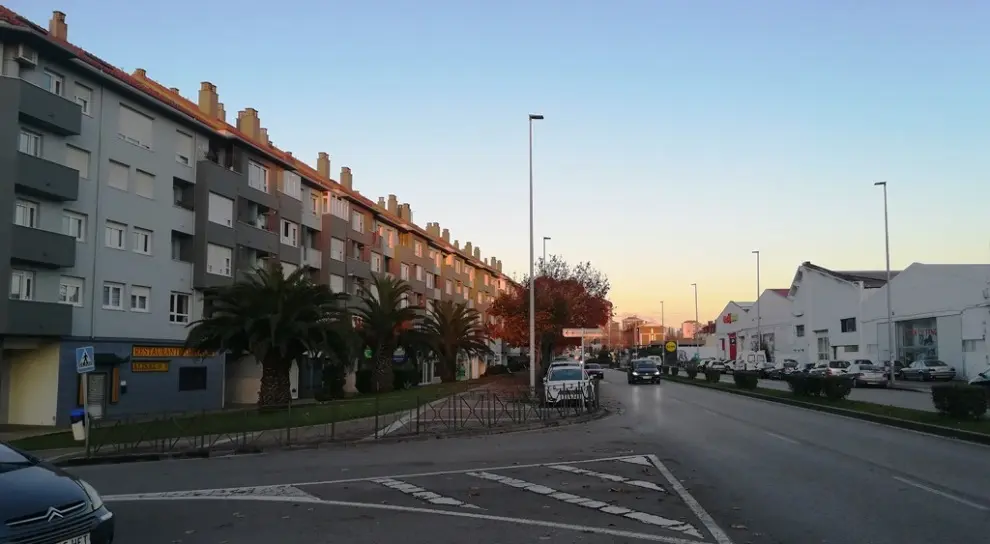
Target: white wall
820 303
770 314
723 330
33 393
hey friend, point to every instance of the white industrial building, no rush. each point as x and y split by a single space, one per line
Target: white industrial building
741 323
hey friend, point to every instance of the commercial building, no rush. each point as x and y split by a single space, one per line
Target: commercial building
731 320
128 200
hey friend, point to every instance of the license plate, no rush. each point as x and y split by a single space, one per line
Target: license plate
81 539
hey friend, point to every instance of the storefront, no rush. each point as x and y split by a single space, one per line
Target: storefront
917 339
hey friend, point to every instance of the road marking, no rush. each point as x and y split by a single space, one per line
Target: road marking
609 477
942 494
649 519
421 494
286 492
691 502
417 510
782 437
637 460
711 412
390 428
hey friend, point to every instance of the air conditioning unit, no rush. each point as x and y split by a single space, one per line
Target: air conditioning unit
26 55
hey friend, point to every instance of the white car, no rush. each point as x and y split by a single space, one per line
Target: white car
568 384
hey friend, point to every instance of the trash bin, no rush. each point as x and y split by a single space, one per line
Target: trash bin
78 419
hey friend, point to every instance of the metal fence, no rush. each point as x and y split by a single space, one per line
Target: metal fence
369 418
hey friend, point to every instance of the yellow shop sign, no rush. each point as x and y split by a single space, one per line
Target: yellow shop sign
149 366
169 352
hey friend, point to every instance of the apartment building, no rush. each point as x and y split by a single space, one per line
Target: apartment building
128 200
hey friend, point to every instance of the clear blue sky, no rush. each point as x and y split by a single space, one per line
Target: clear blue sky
680 135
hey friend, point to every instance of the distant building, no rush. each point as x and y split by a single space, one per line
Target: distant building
690 328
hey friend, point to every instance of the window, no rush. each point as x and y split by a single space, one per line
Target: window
486 278
314 203
70 291
457 266
134 127
973 346
404 271
357 221
26 213
192 378
183 148
257 176
218 260
336 283
22 284
288 269
848 324
84 97
140 298
437 258
114 235
142 241
429 281
74 225
291 184
376 262
419 273
144 184
77 159
799 330
113 296
418 249
220 210
30 143
178 308
340 207
117 177
290 233
470 272
449 287
55 83
481 298
336 249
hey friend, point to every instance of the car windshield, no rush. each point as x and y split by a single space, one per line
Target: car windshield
566 374
838 364
646 365
592 366
788 364
869 368
934 363
9 456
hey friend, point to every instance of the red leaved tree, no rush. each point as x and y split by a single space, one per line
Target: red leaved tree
566 297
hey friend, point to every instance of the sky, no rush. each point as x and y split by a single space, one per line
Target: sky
680 135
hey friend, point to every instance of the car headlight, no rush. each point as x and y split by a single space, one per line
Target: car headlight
94 497
635 373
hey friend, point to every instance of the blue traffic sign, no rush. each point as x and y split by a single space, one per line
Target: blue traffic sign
85 360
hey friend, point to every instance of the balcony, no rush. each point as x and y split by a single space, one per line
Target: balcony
45 179
42 248
38 107
33 318
256 237
359 268
312 257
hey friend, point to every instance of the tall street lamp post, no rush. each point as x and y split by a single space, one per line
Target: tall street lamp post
891 340
532 277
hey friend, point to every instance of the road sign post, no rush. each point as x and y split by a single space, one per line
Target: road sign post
85 363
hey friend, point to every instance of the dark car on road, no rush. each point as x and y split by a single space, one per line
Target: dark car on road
594 370
41 504
643 371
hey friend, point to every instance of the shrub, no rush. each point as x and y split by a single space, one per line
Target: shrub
713 376
836 387
517 362
746 379
333 378
691 372
674 370
405 377
364 382
832 387
960 400
495 370
665 370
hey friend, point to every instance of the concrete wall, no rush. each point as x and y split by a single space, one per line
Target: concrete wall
33 391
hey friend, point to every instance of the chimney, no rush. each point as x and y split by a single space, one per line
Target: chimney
209 103
248 123
498 265
140 73
174 90
323 164
221 113
57 28
405 212
445 234
491 262
468 248
381 202
457 245
263 136
346 179
477 254
393 205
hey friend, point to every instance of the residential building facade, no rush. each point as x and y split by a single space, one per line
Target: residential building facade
128 200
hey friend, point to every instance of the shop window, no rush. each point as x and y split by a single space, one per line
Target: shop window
192 378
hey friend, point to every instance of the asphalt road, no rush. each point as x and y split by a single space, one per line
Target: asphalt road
679 464
891 397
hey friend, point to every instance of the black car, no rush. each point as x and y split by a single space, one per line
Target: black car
643 371
41 503
594 370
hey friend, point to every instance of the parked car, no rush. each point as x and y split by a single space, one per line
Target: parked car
830 368
41 503
594 370
567 384
781 369
643 371
928 370
982 379
867 375
898 368
717 364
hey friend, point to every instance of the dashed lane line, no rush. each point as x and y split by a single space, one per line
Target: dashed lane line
609 477
604 507
422 494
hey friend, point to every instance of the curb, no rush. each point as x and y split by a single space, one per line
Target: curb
939 430
119 459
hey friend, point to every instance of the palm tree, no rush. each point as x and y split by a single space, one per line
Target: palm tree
385 324
451 329
275 318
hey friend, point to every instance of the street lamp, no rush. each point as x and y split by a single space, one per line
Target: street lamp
759 333
891 340
544 262
532 277
697 351
662 324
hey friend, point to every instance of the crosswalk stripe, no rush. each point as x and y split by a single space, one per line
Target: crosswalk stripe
643 517
421 494
637 460
609 477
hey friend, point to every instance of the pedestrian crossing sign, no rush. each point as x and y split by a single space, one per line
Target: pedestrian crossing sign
85 360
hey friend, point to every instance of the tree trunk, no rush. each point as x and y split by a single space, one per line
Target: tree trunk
384 374
275 386
448 370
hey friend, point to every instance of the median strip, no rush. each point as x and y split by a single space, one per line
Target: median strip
905 418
